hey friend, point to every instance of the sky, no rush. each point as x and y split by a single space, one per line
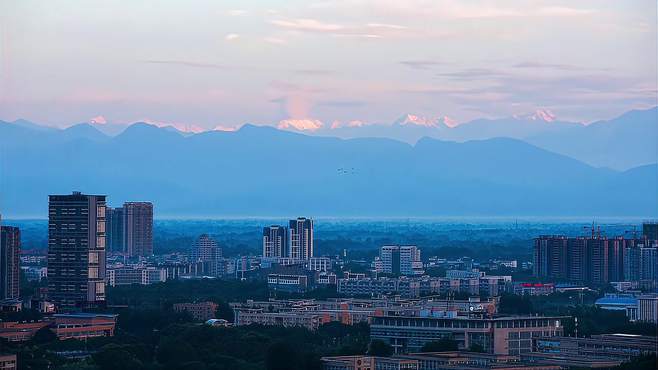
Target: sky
221 64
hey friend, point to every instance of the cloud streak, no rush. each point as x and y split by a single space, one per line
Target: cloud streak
184 63
421 64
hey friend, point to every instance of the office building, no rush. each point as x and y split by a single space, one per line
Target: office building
499 335
10 249
401 260
138 228
275 241
301 238
114 230
76 250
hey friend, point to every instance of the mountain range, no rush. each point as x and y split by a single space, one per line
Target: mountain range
621 143
264 171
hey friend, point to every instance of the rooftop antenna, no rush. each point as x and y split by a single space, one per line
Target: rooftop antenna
593 229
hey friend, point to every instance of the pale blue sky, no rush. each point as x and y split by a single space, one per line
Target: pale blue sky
211 63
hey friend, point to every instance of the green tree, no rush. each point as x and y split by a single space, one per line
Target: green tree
281 356
380 348
117 357
515 304
224 311
44 335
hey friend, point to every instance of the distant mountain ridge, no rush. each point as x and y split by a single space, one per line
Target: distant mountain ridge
260 170
621 143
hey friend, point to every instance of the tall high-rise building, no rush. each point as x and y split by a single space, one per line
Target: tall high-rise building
114 229
631 262
577 266
597 260
10 249
138 228
594 260
275 241
401 260
301 238
648 263
205 249
76 250
616 249
550 257
650 230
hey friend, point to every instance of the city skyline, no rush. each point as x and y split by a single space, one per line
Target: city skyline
329 185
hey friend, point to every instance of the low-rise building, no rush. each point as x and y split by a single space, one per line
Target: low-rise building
619 302
454 360
320 264
611 346
83 325
8 362
500 335
290 283
202 311
412 287
534 289
13 331
128 275
368 363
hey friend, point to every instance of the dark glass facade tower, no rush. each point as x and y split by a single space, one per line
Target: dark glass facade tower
114 228
10 249
650 230
301 238
275 241
138 228
76 250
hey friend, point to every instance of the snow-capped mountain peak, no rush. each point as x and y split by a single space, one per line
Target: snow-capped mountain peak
544 115
98 120
300 124
352 123
447 121
415 120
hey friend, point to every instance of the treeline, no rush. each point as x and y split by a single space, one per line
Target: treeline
162 341
163 295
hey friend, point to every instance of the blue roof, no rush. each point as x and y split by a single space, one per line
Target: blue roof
616 301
